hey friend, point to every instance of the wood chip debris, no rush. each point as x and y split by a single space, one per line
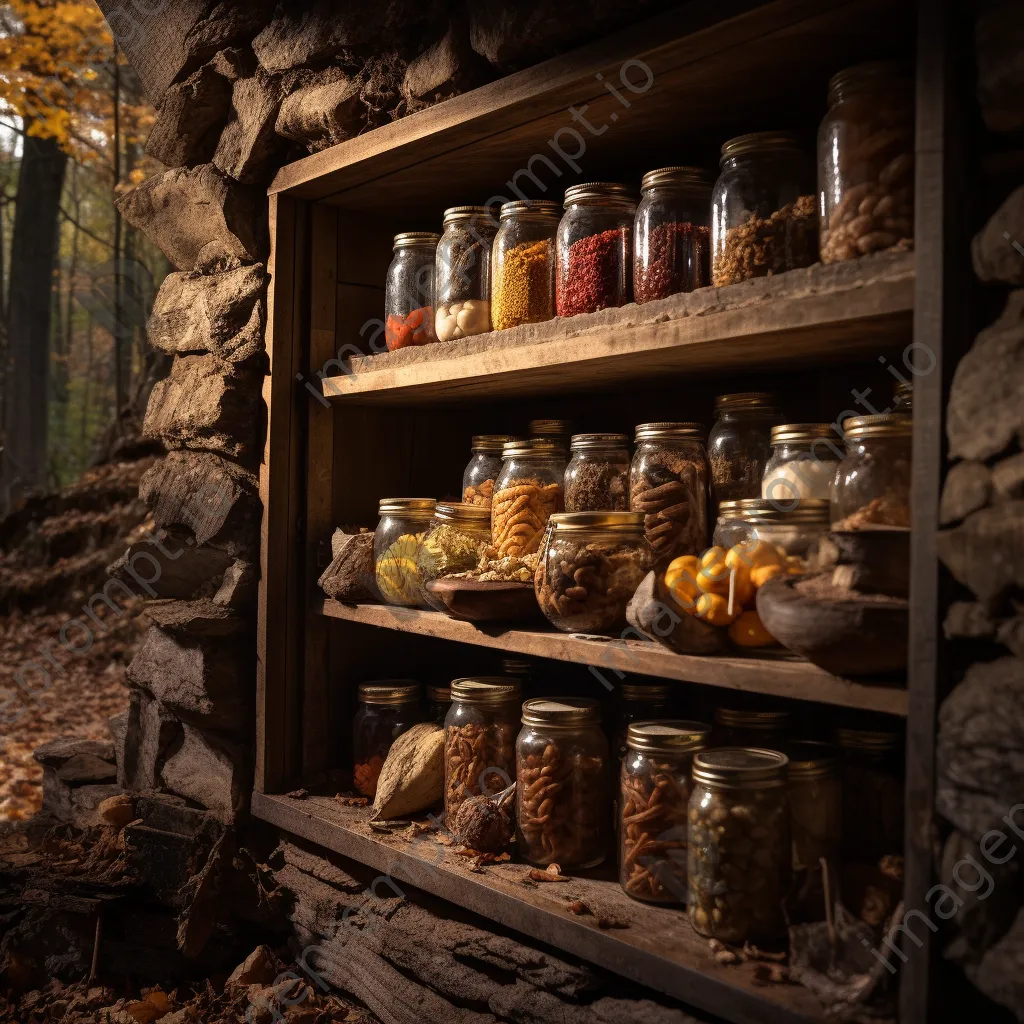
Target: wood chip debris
351 800
552 873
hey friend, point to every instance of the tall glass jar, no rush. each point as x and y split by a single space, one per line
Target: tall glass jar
738 727
594 248
672 233
654 797
866 162
872 484
479 740
523 264
409 292
638 702
816 804
739 444
668 483
440 698
739 863
528 491
597 477
483 468
387 708
396 547
521 669
456 538
590 566
802 464
562 786
463 299
873 784
764 217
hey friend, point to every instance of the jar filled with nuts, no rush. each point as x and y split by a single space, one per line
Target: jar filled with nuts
440 698
528 491
802 465
463 299
387 708
590 567
815 803
639 702
873 812
739 444
457 536
396 547
739 727
668 483
562 783
872 484
523 264
597 477
479 739
483 469
738 844
654 798
409 293
866 163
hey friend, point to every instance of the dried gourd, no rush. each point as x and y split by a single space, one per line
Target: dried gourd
412 778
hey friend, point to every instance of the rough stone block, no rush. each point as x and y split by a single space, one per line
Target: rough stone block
967 489
993 252
150 731
210 771
86 768
323 112
999 44
306 35
202 618
1000 972
1008 478
190 120
239 587
986 552
445 69
249 146
59 751
1011 635
968 620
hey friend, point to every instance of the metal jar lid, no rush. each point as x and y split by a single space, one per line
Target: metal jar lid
543 208
462 512
518 668
605 522
458 214
671 432
696 178
550 428
404 506
744 400
485 690
599 193
388 692
768 721
538 447
667 737
741 768
410 239
757 142
491 444
860 76
876 741
598 442
749 509
802 432
882 425
439 694
641 691
811 760
561 712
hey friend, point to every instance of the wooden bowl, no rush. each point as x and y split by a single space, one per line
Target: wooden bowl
485 600
878 559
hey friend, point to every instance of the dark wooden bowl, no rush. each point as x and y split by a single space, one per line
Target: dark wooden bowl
878 559
485 601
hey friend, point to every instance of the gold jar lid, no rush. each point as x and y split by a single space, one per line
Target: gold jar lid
485 690
543 208
671 432
563 712
439 694
458 214
641 691
696 178
874 740
883 425
461 512
599 193
550 428
802 432
404 506
903 389
860 76
667 737
760 511
598 442
744 400
490 443
756 142
519 668
388 692
811 760
539 447
606 522
741 768
768 721
742 508
410 239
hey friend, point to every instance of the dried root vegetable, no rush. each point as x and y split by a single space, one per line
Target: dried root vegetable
412 777
520 513
478 760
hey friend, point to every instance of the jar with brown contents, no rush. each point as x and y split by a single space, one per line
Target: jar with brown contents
871 488
654 799
597 477
562 808
387 708
483 469
523 264
479 739
740 443
528 491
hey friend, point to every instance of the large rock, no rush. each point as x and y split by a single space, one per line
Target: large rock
239 586
1000 972
190 120
59 751
249 147
995 256
968 620
195 619
328 109
1008 478
1011 634
986 552
967 489
445 69
210 771
150 730
999 43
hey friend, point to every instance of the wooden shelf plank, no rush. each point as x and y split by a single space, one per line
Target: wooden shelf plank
658 948
778 675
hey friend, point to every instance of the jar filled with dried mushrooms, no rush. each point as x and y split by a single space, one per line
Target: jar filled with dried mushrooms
739 847
482 471
396 547
597 477
741 727
739 444
457 536
639 702
655 786
872 793
802 465
387 708
872 484
815 803
528 491
562 791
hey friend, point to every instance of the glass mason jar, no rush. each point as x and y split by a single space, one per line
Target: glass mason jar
463 279
815 804
672 233
483 468
528 491
739 444
396 547
590 567
654 797
736 523
736 727
409 293
597 477
479 740
387 708
764 218
872 772
638 702
668 483
440 698
802 465
594 248
866 163
556 431
523 264
562 790
456 538
795 534
903 398
872 484
739 847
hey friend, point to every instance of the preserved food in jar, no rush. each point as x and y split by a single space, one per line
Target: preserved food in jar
388 707
590 566
739 863
555 431
480 475
396 547
866 163
872 793
597 477
523 264
740 443
528 491
815 803
409 293
454 543
794 533
802 465
562 783
440 698
654 799
872 484
736 727
638 702
463 299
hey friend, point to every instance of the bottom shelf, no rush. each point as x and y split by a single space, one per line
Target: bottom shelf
654 946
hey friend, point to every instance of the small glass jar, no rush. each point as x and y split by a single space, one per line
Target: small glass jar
396 547
528 491
795 533
387 708
672 233
440 698
873 813
597 477
523 264
736 521
739 444
739 848
638 702
483 468
594 248
590 567
735 727
668 483
456 538
872 484
521 669
463 299
802 465
654 797
764 218
409 293
815 803
479 740
866 163
562 790
903 398
556 431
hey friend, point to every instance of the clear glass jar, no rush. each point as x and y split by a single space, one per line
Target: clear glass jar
529 490
463 299
556 431
597 477
872 484
737 727
409 292
396 547
815 803
736 523
903 398
873 782
562 783
739 864
440 698
668 483
866 163
387 708
639 702
523 264
795 533
654 797
802 465
483 468
456 538
764 218
479 740
672 233
594 248
590 567
739 444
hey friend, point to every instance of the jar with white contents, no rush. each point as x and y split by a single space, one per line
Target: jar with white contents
463 290
802 465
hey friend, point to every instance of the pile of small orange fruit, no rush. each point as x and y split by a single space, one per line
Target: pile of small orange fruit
703 586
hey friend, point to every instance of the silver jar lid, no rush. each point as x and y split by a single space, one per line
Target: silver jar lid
696 178
462 512
741 768
537 447
543 208
598 442
598 193
756 142
490 443
412 239
485 690
563 712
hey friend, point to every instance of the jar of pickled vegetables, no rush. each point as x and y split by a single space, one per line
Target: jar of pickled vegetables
396 549
409 292
456 538
387 708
